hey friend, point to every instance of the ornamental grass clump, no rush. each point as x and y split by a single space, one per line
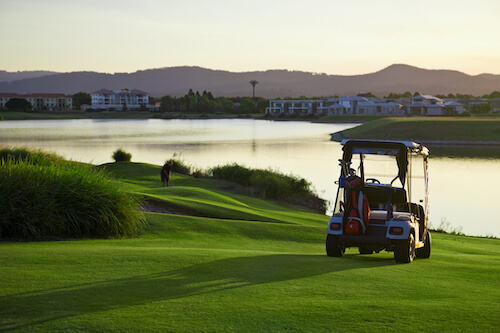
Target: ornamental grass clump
179 165
270 184
43 201
34 155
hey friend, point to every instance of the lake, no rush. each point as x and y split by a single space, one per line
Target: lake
464 186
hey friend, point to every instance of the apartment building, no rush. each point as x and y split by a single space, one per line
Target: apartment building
41 101
118 100
333 106
425 105
429 105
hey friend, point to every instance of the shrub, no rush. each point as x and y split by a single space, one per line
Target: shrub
179 165
121 156
200 173
40 200
18 104
270 184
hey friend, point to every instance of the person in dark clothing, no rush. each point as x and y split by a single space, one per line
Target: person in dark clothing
165 173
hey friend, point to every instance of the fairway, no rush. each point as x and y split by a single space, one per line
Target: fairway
475 130
249 266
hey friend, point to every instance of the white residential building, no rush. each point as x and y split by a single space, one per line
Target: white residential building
391 108
290 107
119 100
452 107
41 101
332 106
429 105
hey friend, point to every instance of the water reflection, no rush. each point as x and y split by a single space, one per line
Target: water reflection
463 186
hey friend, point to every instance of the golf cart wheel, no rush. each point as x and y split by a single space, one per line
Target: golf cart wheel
332 246
364 250
425 252
404 251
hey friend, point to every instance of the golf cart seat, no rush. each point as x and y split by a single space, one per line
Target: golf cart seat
379 195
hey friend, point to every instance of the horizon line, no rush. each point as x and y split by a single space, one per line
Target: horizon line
243 72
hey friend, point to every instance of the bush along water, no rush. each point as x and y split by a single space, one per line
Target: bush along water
270 184
120 155
179 165
43 197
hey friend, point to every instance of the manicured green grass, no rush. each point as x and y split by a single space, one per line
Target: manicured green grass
206 197
429 129
258 274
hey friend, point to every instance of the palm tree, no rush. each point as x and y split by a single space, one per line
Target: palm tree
253 83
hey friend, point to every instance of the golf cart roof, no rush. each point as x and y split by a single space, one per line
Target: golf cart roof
383 147
402 150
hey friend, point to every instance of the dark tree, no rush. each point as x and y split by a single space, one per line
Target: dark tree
167 103
80 99
253 83
18 104
247 106
368 94
494 94
205 105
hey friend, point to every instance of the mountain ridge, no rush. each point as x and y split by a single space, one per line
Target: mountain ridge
273 83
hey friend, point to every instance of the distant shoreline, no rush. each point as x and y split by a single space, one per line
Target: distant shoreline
432 131
420 129
339 136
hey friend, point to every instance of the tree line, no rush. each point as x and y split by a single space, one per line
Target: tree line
196 103
408 94
207 103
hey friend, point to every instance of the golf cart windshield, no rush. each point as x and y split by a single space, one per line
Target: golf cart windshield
385 163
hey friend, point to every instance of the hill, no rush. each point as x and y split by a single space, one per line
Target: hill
21 75
176 81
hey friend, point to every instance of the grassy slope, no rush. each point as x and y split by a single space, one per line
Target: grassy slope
430 129
248 275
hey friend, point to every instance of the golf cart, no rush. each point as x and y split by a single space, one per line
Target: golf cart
376 206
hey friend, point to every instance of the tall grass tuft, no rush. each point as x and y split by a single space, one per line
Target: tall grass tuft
272 185
40 200
33 155
179 165
445 227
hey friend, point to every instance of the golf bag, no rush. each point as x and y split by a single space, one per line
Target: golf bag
357 208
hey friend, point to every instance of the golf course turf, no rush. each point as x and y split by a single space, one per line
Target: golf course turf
222 262
431 129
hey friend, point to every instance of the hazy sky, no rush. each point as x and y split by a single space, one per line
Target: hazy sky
325 36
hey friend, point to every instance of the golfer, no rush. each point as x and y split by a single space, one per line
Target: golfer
165 173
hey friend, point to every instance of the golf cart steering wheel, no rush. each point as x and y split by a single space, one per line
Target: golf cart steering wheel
373 180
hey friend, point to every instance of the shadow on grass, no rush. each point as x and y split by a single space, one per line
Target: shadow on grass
24 310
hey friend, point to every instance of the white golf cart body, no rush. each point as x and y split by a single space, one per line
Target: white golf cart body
398 219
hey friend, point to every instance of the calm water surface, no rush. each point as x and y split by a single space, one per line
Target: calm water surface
463 190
